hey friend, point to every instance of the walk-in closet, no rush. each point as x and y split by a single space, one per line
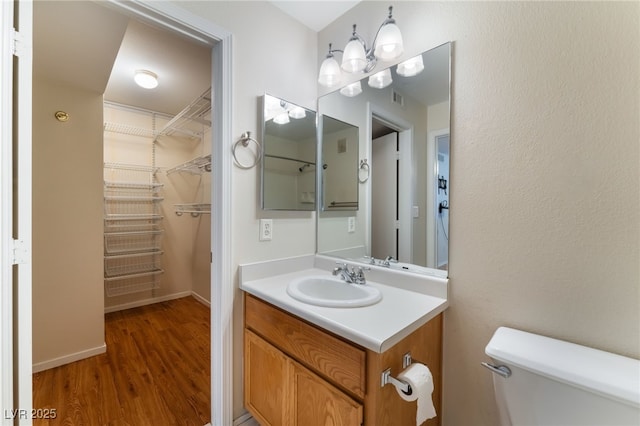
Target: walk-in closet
121 219
157 203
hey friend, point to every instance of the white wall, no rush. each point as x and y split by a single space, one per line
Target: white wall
545 222
272 54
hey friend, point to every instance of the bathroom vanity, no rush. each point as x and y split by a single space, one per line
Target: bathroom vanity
307 365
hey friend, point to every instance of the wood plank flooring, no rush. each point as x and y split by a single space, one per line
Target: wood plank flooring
156 372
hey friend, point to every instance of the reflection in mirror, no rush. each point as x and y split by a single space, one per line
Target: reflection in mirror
289 156
403 220
339 165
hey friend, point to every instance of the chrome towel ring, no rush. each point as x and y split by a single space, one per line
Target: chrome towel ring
244 141
364 171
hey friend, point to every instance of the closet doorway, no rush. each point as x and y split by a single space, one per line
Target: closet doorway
154 160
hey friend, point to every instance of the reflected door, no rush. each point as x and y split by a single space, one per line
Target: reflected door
384 196
442 202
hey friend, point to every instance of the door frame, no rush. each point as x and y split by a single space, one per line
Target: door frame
16 24
406 178
176 19
17 375
432 193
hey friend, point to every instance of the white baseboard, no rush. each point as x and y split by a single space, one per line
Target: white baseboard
145 302
67 359
201 299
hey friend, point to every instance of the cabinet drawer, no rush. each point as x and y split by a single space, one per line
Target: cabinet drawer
328 356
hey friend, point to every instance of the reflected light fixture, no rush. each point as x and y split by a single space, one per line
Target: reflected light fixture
351 90
381 79
411 67
146 79
356 57
297 112
282 118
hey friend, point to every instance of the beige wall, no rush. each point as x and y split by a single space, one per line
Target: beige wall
272 54
545 185
68 303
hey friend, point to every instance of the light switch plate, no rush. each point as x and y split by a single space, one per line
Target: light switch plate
351 224
266 229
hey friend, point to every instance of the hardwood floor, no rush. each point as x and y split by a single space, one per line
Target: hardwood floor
156 372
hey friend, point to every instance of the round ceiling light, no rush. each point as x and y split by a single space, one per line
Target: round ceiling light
146 79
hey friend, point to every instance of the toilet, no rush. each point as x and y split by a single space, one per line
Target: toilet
542 381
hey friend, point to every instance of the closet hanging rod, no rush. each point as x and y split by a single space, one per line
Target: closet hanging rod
130 108
134 167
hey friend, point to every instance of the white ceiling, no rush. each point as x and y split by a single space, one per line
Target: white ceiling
85 45
315 14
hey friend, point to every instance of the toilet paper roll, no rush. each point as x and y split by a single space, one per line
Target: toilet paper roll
419 377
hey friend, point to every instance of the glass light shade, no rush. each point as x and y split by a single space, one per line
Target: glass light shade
381 79
330 74
389 44
297 112
351 90
282 118
146 79
354 57
411 67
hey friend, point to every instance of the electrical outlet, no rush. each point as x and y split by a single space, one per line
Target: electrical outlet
351 224
266 229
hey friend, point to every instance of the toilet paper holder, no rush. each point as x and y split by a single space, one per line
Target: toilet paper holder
386 377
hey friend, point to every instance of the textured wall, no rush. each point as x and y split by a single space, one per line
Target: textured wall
545 214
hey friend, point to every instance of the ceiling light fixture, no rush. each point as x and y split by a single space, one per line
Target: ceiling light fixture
146 79
356 57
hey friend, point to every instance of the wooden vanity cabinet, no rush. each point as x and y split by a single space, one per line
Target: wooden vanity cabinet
296 373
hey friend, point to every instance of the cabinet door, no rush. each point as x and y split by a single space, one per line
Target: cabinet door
266 381
316 402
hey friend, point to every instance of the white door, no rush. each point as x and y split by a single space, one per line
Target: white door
15 211
384 196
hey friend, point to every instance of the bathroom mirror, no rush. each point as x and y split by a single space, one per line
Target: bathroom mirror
339 186
289 143
402 169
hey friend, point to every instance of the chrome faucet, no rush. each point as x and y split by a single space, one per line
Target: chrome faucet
389 260
350 274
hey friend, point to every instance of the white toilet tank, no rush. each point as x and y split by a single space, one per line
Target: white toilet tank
556 383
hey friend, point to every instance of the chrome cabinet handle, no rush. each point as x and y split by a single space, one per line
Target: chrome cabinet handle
502 370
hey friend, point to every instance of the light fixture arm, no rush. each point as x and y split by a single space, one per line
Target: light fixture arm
332 51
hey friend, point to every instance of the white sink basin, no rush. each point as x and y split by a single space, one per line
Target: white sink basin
332 292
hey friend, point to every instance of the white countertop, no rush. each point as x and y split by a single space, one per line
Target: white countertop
402 310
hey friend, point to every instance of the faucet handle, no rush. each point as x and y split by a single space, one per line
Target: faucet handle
358 273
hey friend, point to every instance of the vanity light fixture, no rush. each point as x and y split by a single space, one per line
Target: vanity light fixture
411 67
381 79
351 90
356 57
146 79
